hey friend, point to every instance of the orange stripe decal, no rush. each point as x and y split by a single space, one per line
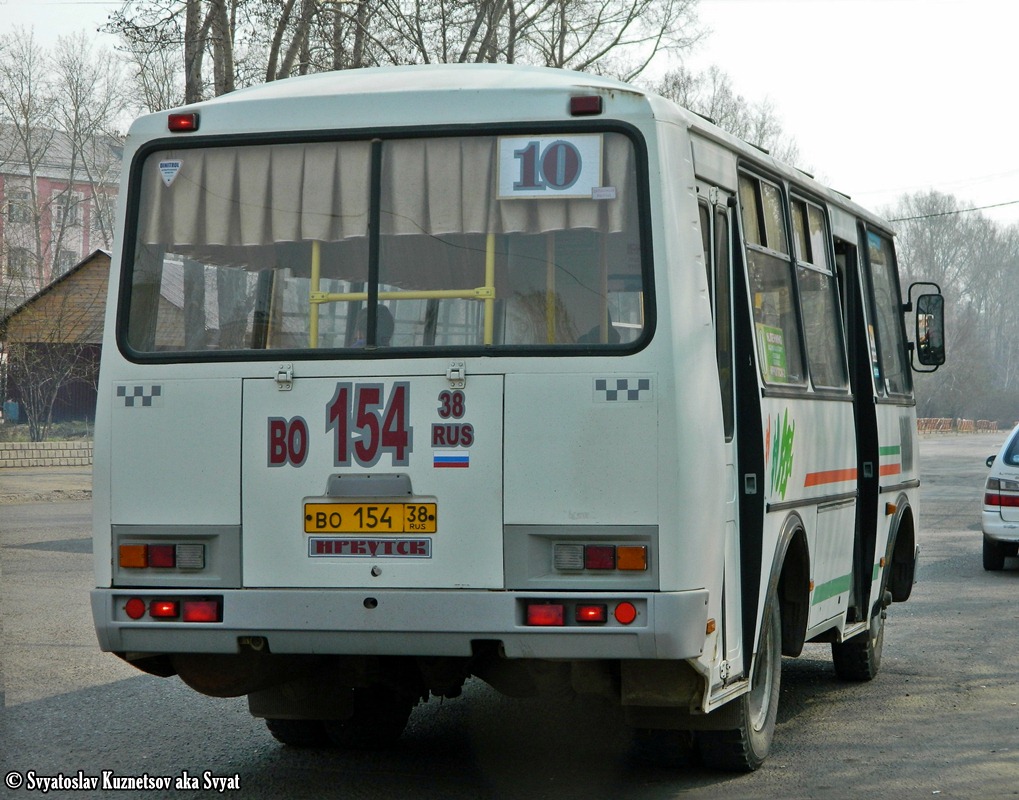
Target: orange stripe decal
890 469
829 476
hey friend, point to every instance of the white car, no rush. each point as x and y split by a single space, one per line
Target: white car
1001 505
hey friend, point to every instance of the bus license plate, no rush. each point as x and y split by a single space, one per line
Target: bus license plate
370 517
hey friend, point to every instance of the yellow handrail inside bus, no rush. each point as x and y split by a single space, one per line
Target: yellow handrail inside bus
485 293
316 283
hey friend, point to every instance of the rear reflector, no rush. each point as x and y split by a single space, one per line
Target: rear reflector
202 611
135 608
625 613
546 614
592 613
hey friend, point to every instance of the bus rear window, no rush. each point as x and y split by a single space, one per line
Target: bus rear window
522 242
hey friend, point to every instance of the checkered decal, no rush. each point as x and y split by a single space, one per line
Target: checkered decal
140 396
622 390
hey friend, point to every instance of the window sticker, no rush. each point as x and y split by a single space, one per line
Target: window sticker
169 170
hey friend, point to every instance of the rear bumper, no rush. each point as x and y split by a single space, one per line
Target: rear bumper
994 527
669 625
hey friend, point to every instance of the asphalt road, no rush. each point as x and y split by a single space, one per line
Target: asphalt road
941 720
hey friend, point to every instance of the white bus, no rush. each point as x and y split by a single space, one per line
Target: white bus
413 375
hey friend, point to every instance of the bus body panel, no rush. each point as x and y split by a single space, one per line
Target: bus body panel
354 501
177 443
385 426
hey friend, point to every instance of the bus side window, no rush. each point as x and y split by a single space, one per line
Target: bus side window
818 296
769 268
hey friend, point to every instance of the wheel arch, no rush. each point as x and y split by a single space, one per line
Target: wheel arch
790 584
901 555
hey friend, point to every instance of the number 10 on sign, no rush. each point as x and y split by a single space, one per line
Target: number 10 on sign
549 166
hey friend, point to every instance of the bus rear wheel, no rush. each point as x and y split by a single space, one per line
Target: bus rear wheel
859 658
744 748
298 732
378 720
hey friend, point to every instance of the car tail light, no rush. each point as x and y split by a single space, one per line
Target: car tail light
1002 492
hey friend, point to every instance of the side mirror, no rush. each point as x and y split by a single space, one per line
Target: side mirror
930 330
929 343
990 460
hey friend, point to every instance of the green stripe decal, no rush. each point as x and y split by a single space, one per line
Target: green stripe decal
877 571
831 589
891 450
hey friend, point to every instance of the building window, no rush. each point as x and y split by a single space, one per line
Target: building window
20 262
19 205
64 261
67 209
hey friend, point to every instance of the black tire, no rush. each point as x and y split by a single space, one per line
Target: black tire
859 658
378 720
298 732
744 748
994 555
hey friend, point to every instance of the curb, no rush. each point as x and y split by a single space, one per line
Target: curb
45 454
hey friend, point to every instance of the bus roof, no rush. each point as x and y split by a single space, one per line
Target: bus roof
402 96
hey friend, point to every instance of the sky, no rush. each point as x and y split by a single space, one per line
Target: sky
883 97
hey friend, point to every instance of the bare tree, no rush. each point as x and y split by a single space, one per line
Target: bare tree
712 95
291 37
26 107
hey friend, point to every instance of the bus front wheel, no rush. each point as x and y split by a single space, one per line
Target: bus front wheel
744 748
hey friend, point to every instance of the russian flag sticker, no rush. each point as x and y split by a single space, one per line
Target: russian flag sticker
451 459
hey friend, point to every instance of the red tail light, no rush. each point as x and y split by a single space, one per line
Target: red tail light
164 609
546 614
202 611
593 613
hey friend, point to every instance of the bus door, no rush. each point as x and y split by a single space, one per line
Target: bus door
862 359
716 234
382 480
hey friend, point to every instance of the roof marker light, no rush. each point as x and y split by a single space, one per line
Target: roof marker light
585 106
182 123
